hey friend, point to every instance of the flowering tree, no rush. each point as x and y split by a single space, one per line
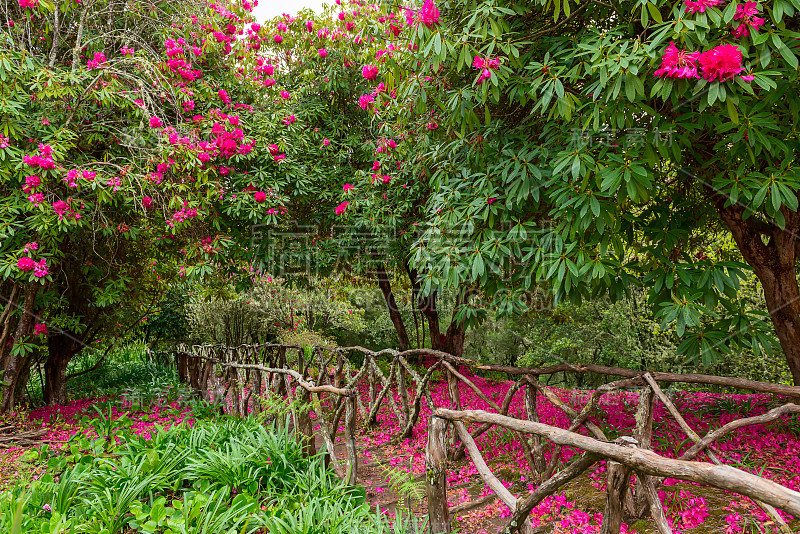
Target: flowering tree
130 155
349 183
588 147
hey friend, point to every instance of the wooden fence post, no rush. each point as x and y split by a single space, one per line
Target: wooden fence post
455 404
436 476
350 439
305 426
533 415
617 486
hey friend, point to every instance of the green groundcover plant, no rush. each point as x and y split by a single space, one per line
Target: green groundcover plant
213 477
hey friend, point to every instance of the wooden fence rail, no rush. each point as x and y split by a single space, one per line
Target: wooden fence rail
324 378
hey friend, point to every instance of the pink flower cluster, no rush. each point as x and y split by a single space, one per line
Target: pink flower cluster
184 214
370 72
98 61
43 160
39 268
486 66
64 209
721 63
341 208
699 6
746 13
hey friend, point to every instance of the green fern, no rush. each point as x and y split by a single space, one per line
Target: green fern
408 489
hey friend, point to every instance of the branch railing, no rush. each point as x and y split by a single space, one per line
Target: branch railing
326 379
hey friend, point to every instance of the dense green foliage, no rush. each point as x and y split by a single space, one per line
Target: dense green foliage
231 476
577 166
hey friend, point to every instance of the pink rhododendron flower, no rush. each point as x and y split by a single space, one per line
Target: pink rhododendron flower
32 182
678 63
285 95
348 187
364 101
40 270
700 6
72 178
322 52
40 330
486 66
155 122
289 120
260 196
147 202
273 149
278 38
278 157
25 263
326 142
3 141
32 246
126 51
98 61
60 207
429 14
341 208
745 12
36 199
24 4
309 25
721 63
223 95
369 72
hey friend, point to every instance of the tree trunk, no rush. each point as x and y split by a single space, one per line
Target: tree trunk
14 373
427 307
62 347
394 312
774 264
6 319
454 339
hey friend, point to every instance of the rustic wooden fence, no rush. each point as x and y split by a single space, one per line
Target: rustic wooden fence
326 379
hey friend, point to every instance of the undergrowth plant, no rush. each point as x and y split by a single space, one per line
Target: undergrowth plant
228 476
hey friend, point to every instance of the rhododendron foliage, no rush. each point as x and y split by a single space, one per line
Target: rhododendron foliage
591 142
